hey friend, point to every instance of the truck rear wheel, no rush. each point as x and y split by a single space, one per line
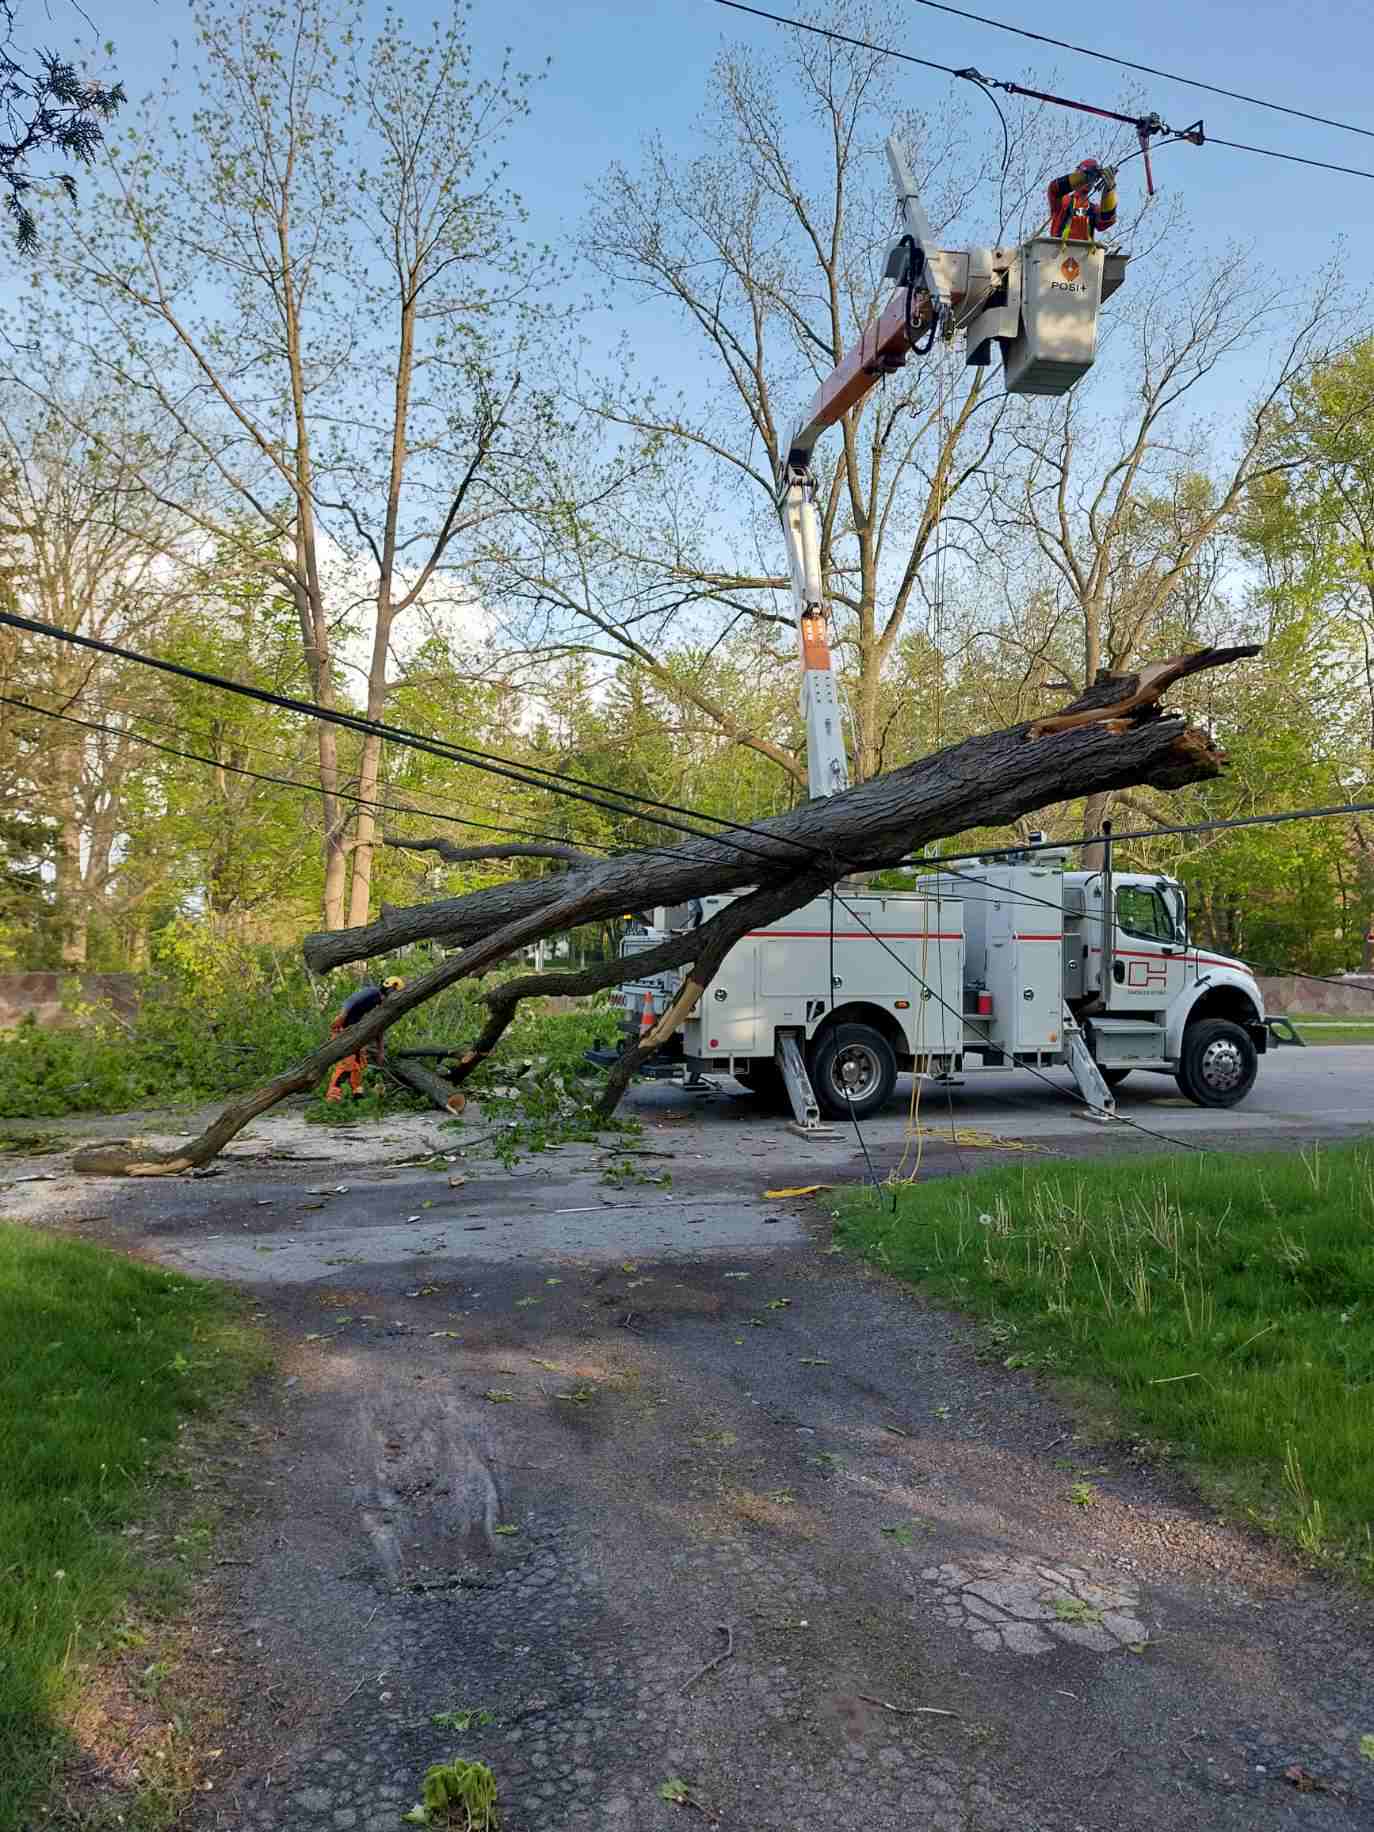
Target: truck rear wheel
853 1071
1218 1063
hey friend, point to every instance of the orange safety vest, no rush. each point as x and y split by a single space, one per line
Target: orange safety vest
1078 223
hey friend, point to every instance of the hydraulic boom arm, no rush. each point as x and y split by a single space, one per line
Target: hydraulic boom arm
1039 303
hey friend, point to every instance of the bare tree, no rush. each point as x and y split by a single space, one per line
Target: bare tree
765 254
1120 506
318 290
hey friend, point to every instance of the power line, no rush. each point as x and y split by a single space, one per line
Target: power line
443 811
527 776
480 760
1333 812
858 1130
843 38
985 83
1169 76
284 782
530 833
1268 152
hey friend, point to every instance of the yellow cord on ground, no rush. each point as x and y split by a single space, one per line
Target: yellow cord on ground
975 1140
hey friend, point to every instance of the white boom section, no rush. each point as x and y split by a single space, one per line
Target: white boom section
826 763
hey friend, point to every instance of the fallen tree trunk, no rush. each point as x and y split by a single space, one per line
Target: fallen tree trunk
984 781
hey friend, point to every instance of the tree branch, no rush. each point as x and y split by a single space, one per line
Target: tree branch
462 855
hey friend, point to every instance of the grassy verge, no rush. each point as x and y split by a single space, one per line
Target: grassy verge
1226 1301
1320 1027
101 1360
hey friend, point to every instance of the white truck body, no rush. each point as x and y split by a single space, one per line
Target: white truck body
996 966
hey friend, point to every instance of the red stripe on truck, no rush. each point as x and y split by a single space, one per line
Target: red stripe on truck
858 934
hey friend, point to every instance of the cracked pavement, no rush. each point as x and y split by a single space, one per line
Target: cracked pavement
534 1453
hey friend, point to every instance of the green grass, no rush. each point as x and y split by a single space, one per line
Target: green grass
1321 1027
101 1359
1225 1301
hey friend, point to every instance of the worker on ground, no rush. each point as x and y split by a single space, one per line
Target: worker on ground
1075 216
357 1005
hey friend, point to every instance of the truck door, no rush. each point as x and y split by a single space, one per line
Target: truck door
1150 960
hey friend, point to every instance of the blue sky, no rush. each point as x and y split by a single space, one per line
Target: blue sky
623 70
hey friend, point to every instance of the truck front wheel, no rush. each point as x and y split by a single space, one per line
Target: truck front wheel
1218 1063
853 1071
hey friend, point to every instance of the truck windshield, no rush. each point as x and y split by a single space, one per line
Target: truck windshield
1142 912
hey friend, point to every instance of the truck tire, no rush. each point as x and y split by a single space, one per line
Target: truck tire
853 1071
1218 1063
1113 1077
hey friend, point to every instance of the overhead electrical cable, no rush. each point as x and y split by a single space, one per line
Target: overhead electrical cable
1333 811
435 806
532 776
558 783
285 782
1145 124
1169 76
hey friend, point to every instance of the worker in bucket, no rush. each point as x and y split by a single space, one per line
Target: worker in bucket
1075 216
357 1005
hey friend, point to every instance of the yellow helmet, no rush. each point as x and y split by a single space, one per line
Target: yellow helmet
394 984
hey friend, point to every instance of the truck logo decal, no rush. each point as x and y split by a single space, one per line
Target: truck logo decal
1144 973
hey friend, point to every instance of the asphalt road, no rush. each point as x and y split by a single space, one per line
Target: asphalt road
546 1444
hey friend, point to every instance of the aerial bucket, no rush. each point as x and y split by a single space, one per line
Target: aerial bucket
1063 285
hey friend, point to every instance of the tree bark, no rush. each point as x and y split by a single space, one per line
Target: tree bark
438 1091
987 780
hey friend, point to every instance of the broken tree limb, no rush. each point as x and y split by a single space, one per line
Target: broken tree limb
414 1075
463 855
706 947
985 781
1134 696
765 906
126 1160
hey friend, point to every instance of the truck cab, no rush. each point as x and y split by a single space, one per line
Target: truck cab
1149 997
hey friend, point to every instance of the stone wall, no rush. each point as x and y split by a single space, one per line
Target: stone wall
51 998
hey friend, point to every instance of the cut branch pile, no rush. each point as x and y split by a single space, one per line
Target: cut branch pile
1113 737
